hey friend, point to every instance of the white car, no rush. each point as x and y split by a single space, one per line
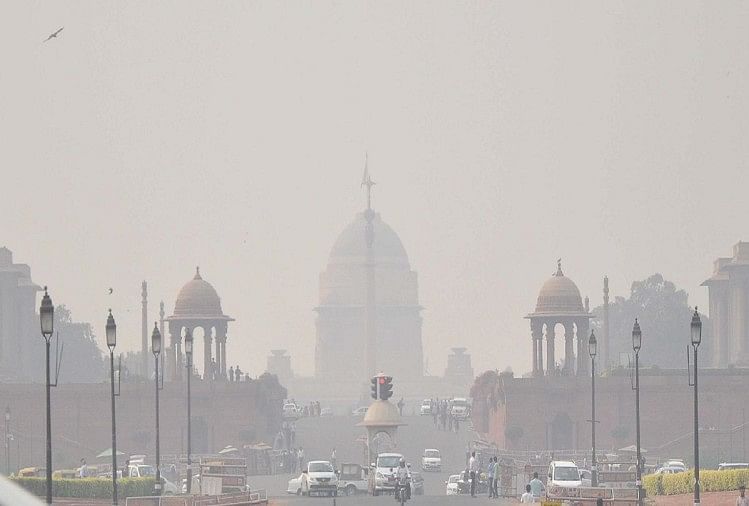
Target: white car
460 409
290 410
295 485
385 470
360 411
319 479
451 485
431 460
563 473
426 407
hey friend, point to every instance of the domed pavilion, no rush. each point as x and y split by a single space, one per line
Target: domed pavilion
199 306
559 302
369 317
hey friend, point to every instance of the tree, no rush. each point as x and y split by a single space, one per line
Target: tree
83 361
664 315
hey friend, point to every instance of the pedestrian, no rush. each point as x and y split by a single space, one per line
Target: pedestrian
237 374
742 500
490 476
537 487
473 468
300 457
83 471
527 497
496 477
231 374
400 406
333 459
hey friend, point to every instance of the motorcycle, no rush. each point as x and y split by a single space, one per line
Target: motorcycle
403 491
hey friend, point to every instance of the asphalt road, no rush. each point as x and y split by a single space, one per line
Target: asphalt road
387 501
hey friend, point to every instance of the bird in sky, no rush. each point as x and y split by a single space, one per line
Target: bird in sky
53 35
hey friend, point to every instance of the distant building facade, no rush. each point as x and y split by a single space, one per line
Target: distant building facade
729 307
279 363
19 325
459 368
368 291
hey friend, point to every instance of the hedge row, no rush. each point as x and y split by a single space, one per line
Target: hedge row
94 488
683 483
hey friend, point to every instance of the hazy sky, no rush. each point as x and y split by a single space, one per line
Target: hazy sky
152 137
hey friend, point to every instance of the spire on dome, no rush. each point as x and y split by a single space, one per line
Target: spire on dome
367 181
197 273
559 268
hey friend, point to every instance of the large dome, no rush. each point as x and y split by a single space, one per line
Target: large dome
351 244
198 298
559 295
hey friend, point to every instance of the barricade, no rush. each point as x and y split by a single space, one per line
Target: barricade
587 496
238 499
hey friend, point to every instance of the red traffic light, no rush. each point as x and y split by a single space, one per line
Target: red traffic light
382 380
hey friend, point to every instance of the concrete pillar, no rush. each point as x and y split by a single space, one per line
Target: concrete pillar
550 360
582 346
535 355
536 336
223 356
569 349
218 354
207 355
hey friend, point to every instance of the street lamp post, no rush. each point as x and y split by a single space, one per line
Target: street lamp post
696 328
636 345
111 331
188 354
156 349
593 349
7 442
46 319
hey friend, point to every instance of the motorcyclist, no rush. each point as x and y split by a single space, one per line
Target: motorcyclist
402 479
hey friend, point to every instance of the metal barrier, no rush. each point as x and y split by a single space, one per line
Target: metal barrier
243 499
583 496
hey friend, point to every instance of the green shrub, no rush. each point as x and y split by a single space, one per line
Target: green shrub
683 483
93 488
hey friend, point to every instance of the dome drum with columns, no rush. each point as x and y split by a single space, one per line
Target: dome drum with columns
199 306
559 302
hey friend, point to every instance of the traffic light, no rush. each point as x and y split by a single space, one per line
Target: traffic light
375 388
386 387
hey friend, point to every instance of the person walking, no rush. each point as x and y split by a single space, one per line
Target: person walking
496 477
400 406
231 374
537 486
527 497
490 476
473 468
333 459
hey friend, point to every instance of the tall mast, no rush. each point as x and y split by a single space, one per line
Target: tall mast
370 308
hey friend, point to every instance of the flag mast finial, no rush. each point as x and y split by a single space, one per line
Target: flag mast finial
367 181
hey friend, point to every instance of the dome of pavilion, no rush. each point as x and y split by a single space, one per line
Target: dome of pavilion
381 414
559 294
351 244
198 298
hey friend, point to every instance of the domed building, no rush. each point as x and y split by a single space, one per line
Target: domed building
199 306
369 317
559 302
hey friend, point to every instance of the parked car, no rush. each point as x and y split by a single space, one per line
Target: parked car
669 470
452 485
326 412
431 460
426 407
295 485
563 473
586 477
319 479
360 411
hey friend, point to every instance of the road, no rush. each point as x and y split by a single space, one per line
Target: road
318 436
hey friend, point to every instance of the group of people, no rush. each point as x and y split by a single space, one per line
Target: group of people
443 417
236 374
533 490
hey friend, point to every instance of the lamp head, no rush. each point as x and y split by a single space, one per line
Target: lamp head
156 339
696 328
111 331
592 344
636 337
188 342
47 315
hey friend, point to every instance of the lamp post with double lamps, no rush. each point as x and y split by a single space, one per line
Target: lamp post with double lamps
156 349
47 319
636 345
696 328
111 331
592 350
188 354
